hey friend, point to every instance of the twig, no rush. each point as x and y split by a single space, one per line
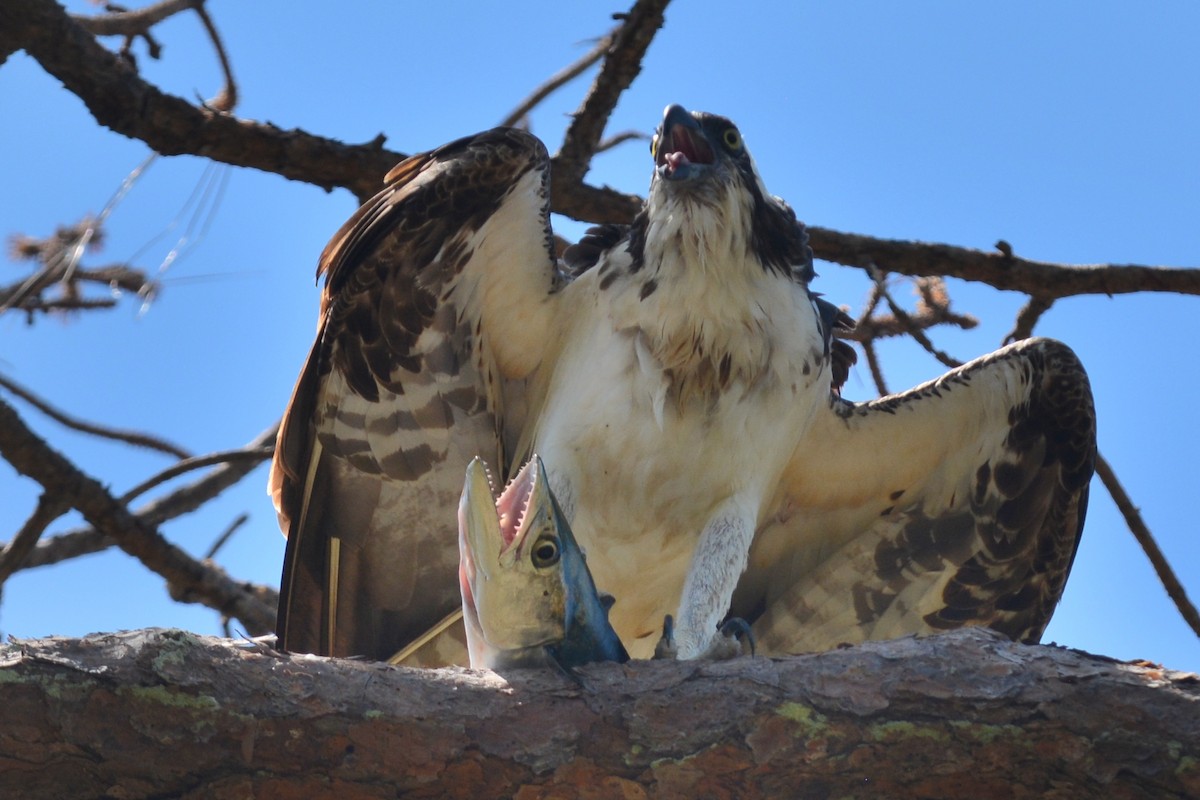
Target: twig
559 79
238 522
1133 518
120 99
875 367
132 23
227 98
255 455
910 326
49 508
128 437
1028 317
199 582
59 257
934 309
621 138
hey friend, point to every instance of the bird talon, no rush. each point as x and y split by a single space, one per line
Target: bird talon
739 630
666 649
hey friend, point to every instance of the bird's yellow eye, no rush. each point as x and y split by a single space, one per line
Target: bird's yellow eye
654 146
733 139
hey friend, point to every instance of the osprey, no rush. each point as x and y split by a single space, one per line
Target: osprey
680 382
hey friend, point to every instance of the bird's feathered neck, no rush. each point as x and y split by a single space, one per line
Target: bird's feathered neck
728 222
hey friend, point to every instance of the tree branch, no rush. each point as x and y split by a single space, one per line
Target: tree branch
558 80
183 500
1037 278
16 551
135 438
1133 518
255 456
186 577
135 22
1027 318
121 100
161 713
621 66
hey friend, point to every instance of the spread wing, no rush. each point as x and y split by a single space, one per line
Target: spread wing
959 502
438 296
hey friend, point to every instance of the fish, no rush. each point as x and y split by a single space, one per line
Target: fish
528 598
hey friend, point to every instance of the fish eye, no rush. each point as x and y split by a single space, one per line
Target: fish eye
732 139
545 553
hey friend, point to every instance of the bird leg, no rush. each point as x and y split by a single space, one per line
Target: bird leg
717 564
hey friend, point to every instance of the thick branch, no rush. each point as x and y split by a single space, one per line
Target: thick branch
169 714
186 577
620 67
119 99
1039 279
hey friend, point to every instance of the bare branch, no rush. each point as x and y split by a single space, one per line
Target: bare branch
133 23
183 500
558 80
910 326
254 455
135 438
1027 318
227 98
1133 518
933 309
121 100
875 367
621 138
186 577
621 66
14 554
239 521
1010 273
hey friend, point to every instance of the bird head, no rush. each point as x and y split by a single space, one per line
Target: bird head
705 179
698 151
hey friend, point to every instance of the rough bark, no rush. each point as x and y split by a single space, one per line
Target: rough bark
166 713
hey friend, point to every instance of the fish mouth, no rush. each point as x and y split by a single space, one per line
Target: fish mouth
514 503
492 527
682 150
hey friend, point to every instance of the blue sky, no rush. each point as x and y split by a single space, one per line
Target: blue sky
1070 135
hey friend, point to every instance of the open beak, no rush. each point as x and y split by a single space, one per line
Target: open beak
682 149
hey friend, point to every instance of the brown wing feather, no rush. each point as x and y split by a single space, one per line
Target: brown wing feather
960 502
416 369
